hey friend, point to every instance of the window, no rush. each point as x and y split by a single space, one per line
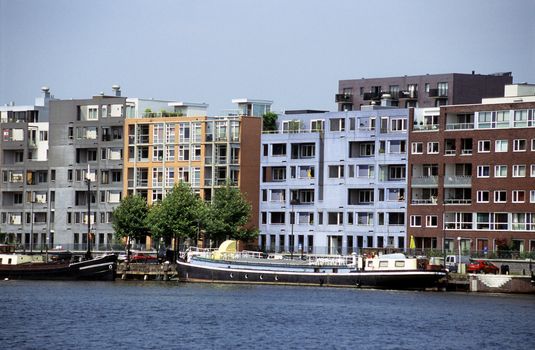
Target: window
396 172
416 221
532 170
500 171
483 171
519 145
484 120
519 170
502 119
398 124
500 196
533 144
417 148
520 119
426 87
482 196
336 171
317 125
92 112
278 149
337 124
501 146
532 196
483 146
335 218
432 148
431 221
519 196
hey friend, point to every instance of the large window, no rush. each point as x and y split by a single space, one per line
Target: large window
519 170
501 146
519 145
483 146
483 171
484 120
417 148
500 171
336 171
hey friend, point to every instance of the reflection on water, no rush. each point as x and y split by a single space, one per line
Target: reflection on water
159 315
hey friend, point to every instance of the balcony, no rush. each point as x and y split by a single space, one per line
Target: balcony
424 181
458 201
459 126
343 98
457 181
371 96
411 95
438 93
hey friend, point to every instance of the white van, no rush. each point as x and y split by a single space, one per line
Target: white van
452 261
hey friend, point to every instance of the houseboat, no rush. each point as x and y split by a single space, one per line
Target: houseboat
54 266
389 271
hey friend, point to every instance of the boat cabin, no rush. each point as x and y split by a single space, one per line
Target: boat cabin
9 257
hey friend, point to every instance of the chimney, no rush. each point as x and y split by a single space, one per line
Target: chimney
46 92
117 90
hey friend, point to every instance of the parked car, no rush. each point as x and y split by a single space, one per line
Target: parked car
482 266
452 262
143 259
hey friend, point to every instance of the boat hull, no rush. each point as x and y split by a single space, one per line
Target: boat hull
102 268
403 280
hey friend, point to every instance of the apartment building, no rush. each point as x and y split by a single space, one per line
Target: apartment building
27 201
86 156
334 182
472 174
430 90
182 143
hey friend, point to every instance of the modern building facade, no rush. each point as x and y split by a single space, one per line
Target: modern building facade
206 152
430 90
86 148
472 174
334 182
26 198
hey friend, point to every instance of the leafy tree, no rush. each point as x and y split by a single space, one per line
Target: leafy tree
227 215
178 215
129 218
269 121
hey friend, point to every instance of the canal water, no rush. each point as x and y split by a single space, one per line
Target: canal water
158 315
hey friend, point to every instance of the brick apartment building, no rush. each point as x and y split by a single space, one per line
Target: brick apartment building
430 90
472 174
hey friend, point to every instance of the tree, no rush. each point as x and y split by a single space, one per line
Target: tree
178 215
227 215
129 218
269 121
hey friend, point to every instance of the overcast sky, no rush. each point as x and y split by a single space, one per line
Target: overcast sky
291 52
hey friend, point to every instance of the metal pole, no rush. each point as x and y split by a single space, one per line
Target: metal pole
459 262
88 253
31 223
292 219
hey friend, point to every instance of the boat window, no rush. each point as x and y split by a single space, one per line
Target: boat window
383 263
400 264
9 261
370 263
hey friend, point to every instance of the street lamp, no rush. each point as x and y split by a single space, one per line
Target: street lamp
31 222
88 181
459 262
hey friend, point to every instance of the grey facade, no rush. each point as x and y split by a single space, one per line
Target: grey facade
430 90
86 135
26 199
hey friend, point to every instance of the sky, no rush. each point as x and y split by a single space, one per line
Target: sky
291 52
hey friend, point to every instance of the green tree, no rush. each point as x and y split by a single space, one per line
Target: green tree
228 214
129 218
269 121
178 215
